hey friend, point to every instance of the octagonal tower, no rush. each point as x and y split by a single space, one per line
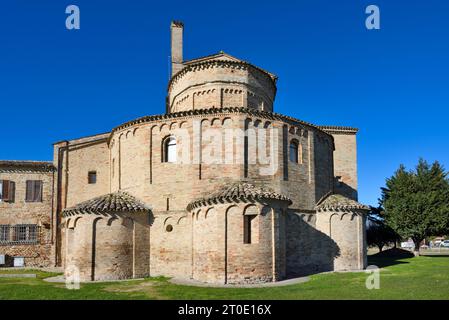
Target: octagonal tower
216 81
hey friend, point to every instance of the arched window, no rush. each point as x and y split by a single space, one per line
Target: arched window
294 151
169 146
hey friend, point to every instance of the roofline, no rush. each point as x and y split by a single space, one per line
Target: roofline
212 111
83 137
200 59
203 58
339 129
28 164
90 206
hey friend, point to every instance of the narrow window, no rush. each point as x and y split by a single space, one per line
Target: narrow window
248 228
92 177
32 233
20 233
33 191
7 190
4 233
169 149
294 151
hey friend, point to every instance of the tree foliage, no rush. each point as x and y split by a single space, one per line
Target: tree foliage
378 233
417 202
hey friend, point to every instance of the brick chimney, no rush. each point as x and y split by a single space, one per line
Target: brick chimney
177 30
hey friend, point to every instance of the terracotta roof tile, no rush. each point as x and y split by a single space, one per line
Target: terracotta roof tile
339 202
44 166
238 191
112 202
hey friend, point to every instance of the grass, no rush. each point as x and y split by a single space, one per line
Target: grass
411 278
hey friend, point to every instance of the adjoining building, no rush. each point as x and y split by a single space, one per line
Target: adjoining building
27 226
218 189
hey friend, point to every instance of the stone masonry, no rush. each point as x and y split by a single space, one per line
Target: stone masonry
27 227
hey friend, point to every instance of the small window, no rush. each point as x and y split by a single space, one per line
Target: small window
4 233
25 233
92 177
294 151
33 191
169 228
7 190
249 228
169 148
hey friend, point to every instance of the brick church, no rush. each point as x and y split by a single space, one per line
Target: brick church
218 189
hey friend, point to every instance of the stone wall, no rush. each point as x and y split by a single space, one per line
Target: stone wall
36 213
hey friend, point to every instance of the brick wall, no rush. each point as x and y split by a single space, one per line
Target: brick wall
217 84
35 213
209 247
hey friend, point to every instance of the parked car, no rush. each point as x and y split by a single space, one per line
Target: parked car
408 245
445 243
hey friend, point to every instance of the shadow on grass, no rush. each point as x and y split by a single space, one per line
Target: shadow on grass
435 255
389 257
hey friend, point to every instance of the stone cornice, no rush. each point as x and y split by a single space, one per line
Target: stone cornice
339 130
26 166
218 63
216 111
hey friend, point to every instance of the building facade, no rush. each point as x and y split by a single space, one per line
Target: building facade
27 226
219 189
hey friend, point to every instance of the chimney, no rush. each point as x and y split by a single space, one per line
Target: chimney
177 30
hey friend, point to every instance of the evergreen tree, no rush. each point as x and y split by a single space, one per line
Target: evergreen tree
417 202
378 233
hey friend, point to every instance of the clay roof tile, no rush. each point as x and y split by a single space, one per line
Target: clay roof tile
238 191
338 202
112 202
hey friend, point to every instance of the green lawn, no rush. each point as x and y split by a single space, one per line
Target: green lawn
412 278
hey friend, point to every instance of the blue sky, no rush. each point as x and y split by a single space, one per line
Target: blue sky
392 83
